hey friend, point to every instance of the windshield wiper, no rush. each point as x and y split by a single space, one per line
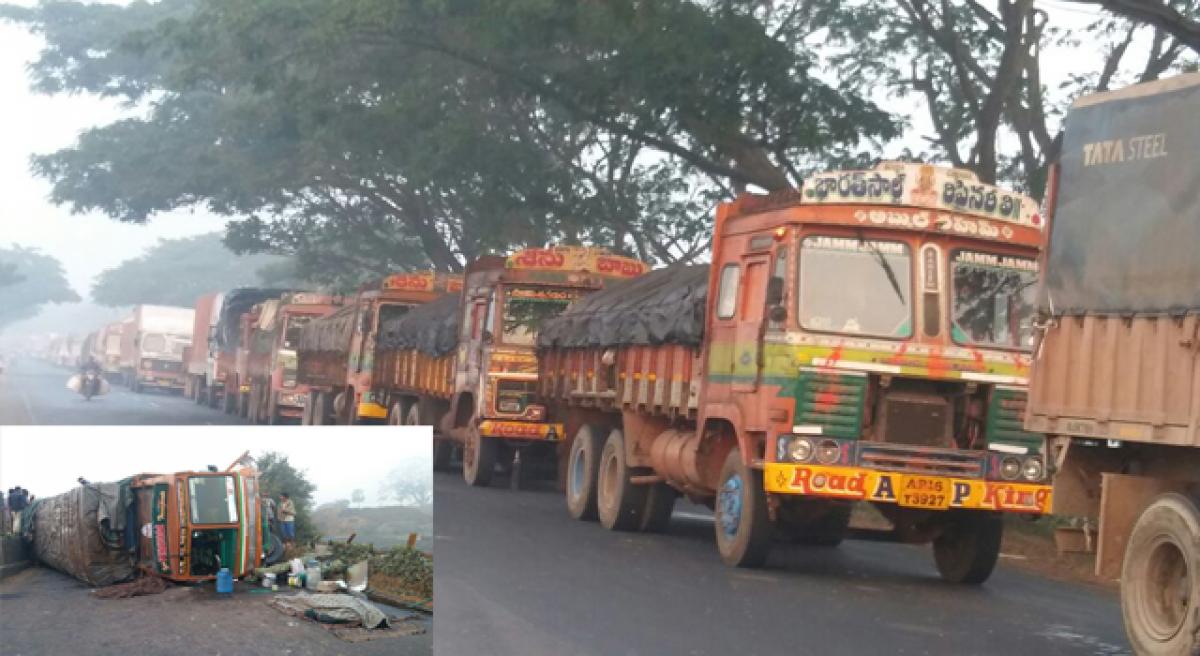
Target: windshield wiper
887 266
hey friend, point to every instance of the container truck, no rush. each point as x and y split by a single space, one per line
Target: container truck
337 353
477 385
225 338
863 339
183 527
152 347
272 391
1116 380
196 356
108 351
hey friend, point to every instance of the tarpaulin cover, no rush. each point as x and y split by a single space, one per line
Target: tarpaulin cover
329 334
1126 229
82 532
238 302
431 328
662 307
332 608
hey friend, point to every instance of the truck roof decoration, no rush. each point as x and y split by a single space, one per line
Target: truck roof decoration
423 281
575 258
665 306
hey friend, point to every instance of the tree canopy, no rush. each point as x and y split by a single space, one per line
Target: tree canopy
178 271
28 280
277 476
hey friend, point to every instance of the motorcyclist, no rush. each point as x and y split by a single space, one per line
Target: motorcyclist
90 366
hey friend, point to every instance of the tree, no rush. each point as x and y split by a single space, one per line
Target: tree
1167 17
178 271
409 485
276 476
32 280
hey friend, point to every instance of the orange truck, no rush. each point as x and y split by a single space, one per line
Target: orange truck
221 387
467 366
1116 382
183 526
196 355
271 391
864 339
336 354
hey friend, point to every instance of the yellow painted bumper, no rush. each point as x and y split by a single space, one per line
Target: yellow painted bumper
521 430
909 490
372 411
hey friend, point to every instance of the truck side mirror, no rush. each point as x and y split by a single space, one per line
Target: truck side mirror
774 291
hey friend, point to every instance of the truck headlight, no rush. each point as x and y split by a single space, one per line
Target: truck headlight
1033 470
1010 468
800 449
828 452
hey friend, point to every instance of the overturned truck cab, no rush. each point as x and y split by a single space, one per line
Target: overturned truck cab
183 527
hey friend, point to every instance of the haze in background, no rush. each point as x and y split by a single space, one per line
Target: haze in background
47 460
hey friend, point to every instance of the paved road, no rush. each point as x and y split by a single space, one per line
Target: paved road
516 575
34 392
46 612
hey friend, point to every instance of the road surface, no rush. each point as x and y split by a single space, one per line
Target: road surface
35 392
46 612
516 575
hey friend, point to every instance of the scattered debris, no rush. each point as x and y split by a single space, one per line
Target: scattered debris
147 585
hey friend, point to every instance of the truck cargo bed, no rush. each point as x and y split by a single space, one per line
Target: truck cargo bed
661 380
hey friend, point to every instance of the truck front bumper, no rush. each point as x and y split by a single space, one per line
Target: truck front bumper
521 430
908 490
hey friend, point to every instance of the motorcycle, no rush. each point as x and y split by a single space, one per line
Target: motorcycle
88 384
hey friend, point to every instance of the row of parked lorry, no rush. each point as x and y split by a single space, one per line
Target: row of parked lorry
911 337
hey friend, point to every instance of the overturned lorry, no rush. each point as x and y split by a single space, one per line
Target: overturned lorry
864 339
1116 383
184 527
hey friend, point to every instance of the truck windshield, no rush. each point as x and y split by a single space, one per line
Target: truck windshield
525 308
295 323
213 499
855 286
993 299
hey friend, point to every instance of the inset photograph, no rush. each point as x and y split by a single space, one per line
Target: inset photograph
229 541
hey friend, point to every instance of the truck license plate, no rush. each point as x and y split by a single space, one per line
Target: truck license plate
924 492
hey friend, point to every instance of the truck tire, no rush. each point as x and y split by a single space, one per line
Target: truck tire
479 459
827 530
1160 579
619 503
660 503
320 410
583 469
396 415
741 522
273 416
252 404
969 546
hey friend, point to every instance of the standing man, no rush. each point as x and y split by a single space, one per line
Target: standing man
287 516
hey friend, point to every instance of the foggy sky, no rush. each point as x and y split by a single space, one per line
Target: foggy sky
47 460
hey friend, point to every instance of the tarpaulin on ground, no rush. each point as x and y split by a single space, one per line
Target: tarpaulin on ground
227 333
332 609
82 532
329 334
662 307
1127 223
431 328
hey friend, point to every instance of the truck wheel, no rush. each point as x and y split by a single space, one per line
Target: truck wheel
740 514
619 503
967 550
396 416
320 409
827 530
273 417
1160 579
583 467
252 405
201 397
479 459
660 503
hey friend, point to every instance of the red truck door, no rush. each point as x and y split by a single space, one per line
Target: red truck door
747 345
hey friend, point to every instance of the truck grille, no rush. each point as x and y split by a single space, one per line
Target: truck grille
918 460
916 419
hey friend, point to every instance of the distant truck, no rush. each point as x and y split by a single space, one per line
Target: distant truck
196 355
152 345
468 367
222 386
271 389
863 339
1116 380
183 527
337 353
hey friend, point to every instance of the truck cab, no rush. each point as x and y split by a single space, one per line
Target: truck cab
495 412
274 394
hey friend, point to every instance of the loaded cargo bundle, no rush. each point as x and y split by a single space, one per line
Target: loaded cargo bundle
84 532
431 329
227 333
329 334
661 307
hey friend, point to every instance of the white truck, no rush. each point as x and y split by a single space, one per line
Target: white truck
152 346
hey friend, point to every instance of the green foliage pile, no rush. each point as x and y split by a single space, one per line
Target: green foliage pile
408 565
